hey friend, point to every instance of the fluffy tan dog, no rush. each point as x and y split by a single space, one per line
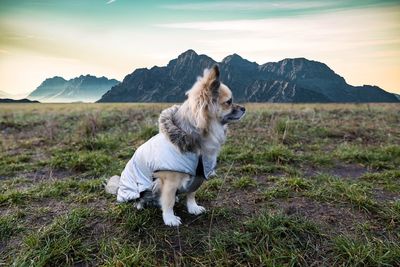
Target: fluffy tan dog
184 153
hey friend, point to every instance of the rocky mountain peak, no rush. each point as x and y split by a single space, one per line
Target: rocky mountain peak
188 53
235 59
53 80
87 76
185 58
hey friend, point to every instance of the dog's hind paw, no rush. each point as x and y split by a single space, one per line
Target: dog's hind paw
171 220
196 209
139 205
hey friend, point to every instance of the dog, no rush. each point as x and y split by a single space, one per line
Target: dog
184 152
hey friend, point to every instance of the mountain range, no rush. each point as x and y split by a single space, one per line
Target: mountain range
86 88
288 81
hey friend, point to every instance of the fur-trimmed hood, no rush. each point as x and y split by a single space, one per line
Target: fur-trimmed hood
169 125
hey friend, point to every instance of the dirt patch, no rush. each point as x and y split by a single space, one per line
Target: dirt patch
382 195
45 173
352 171
49 209
345 171
247 202
243 202
48 174
332 217
43 213
100 204
268 180
8 210
33 178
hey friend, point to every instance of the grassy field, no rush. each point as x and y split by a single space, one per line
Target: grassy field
308 185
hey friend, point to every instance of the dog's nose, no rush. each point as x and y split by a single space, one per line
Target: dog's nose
243 109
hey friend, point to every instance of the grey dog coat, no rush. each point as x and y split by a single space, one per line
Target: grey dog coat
159 154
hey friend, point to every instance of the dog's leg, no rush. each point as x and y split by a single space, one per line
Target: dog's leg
169 185
192 206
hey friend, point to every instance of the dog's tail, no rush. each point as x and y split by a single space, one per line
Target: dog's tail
113 185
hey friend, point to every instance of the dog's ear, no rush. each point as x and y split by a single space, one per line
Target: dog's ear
212 83
214 73
214 88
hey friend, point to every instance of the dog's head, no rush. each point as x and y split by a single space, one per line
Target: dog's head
212 101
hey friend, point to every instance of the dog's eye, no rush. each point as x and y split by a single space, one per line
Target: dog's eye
229 102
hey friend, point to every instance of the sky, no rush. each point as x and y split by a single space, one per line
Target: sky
358 39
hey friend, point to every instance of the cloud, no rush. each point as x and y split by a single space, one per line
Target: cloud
110 1
231 5
313 36
339 23
275 8
228 25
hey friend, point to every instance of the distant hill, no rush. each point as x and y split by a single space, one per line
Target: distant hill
289 80
24 100
83 88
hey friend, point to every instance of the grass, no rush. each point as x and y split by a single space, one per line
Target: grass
335 189
15 163
9 226
297 185
389 180
269 240
127 254
366 252
62 242
58 189
384 157
244 182
93 162
286 187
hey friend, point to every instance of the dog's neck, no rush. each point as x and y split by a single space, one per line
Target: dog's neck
177 124
214 139
211 138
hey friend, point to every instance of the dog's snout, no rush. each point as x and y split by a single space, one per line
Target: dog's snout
243 109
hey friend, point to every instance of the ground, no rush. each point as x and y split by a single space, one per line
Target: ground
308 185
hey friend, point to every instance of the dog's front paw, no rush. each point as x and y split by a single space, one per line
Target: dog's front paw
171 220
195 209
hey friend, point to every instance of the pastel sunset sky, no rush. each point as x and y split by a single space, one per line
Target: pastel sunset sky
358 39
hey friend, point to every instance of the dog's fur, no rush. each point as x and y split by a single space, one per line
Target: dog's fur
199 125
